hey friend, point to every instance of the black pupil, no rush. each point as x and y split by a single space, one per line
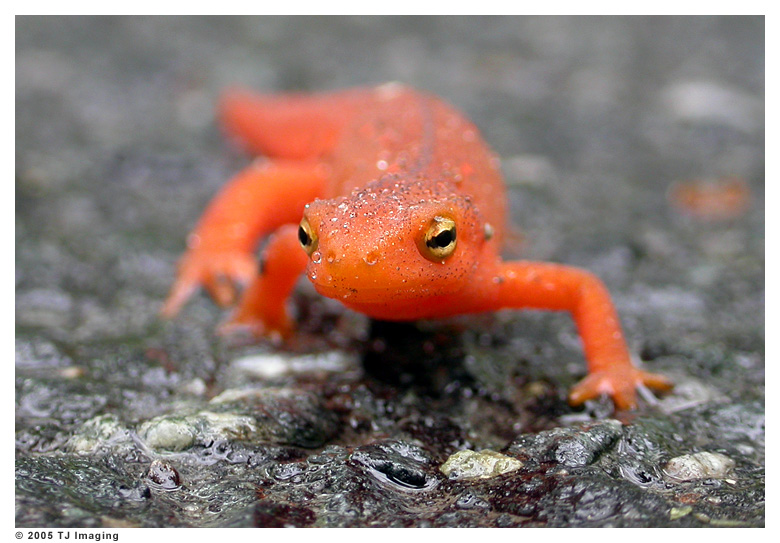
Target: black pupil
442 240
303 237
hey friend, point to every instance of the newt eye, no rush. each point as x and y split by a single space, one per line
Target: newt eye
440 239
307 237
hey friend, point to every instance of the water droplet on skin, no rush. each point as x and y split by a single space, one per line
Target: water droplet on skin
193 241
316 257
381 165
388 91
372 257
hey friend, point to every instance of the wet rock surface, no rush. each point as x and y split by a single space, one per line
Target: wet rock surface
126 420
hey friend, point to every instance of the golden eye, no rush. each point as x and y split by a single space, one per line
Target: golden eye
440 239
307 237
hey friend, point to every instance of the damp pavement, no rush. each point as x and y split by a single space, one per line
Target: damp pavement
125 420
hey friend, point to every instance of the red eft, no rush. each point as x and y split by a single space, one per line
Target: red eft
389 201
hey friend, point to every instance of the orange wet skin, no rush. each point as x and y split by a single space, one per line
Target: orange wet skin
400 208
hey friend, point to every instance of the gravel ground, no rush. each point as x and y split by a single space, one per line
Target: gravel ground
603 125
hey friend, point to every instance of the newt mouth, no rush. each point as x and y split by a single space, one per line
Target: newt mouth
330 290
379 294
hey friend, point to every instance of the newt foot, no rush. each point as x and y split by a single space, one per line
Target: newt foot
267 321
618 383
220 273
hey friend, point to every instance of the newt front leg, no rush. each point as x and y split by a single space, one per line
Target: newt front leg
536 285
260 199
262 309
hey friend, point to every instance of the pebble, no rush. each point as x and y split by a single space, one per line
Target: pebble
479 465
702 465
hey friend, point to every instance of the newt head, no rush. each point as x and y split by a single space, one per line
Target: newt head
382 243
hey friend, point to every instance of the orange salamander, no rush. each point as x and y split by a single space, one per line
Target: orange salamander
400 210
